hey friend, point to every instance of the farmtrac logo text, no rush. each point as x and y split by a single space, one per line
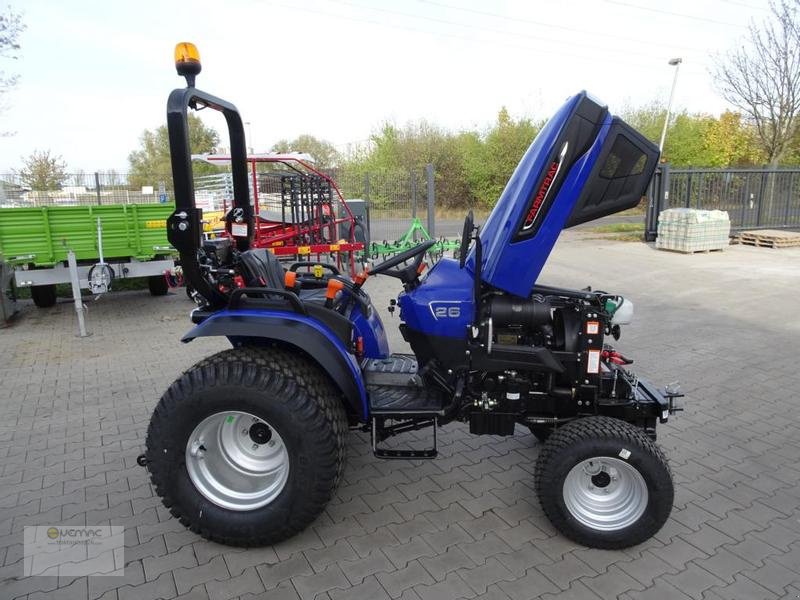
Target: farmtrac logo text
544 189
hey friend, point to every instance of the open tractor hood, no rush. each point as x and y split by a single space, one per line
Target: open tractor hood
584 164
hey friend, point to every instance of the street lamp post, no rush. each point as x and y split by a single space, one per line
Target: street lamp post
249 136
675 62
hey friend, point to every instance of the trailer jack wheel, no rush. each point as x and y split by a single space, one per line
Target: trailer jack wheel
44 296
157 285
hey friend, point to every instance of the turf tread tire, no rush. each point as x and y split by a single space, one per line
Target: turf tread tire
562 445
315 402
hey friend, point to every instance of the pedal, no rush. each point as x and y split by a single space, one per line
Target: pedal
380 432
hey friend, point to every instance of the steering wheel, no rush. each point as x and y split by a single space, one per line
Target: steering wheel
466 238
408 273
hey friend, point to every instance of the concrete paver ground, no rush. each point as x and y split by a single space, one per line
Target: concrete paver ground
73 415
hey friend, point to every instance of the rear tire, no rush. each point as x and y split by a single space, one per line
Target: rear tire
603 483
158 285
44 296
271 400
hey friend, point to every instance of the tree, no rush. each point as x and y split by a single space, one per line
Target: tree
697 139
151 163
397 153
11 27
498 155
323 152
734 142
647 119
110 178
43 172
762 78
471 167
685 143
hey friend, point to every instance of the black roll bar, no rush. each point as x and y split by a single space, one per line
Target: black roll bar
184 226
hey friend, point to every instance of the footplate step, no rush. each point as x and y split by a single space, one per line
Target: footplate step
380 432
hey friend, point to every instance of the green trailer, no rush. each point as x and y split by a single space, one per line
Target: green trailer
109 242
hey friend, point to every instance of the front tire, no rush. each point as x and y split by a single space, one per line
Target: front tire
246 448
603 483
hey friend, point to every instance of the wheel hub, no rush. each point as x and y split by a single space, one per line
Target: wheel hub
260 433
601 480
237 461
605 493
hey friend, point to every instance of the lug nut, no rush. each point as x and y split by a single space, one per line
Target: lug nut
196 449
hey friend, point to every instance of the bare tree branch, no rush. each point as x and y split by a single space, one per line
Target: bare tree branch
11 28
762 77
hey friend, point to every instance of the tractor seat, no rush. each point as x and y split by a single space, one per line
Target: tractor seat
261 268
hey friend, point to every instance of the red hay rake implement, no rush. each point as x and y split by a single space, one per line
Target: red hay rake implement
300 211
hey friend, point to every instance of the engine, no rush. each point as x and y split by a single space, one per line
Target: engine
516 321
543 360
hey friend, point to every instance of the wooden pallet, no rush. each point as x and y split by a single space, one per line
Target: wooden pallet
693 251
769 238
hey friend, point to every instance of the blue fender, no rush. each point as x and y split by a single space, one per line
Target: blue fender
307 334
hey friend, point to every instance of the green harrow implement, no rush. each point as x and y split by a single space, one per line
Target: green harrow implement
415 234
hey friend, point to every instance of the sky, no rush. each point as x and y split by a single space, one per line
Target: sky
95 74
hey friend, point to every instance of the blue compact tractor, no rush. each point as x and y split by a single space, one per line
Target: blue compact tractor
247 446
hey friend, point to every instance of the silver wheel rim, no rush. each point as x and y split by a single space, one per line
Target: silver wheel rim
604 493
237 460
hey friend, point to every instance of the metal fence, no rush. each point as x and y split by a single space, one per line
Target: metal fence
394 198
753 198
80 189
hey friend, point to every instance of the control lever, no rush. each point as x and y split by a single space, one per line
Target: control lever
361 278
